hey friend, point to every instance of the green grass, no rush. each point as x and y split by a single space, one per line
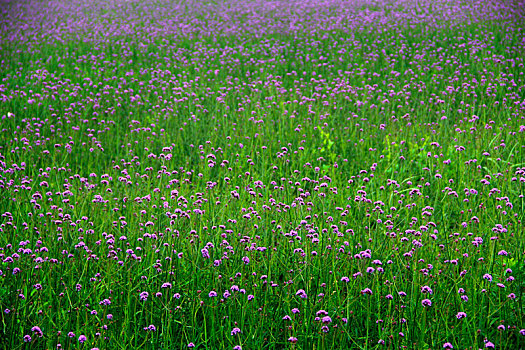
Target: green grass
296 159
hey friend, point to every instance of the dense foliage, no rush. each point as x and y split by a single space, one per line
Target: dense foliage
262 174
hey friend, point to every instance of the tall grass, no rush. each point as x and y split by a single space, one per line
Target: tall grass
262 175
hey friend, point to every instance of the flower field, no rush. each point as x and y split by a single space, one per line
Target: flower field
255 174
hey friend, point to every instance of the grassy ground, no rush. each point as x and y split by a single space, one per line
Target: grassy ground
264 175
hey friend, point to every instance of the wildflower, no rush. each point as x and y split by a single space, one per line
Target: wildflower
345 279
191 345
27 338
38 332
489 345
212 294
426 289
82 338
235 331
448 346
237 347
326 319
325 329
144 296
301 293
295 311
287 318
461 315
292 340
426 302
367 291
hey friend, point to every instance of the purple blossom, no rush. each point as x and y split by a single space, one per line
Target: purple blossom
461 315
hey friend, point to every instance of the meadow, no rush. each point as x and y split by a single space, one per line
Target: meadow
255 174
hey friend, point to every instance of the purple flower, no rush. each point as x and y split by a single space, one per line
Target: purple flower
235 331
144 296
82 338
27 338
38 332
191 345
326 319
448 346
426 289
461 315
489 345
426 302
367 291
292 340
301 293
212 294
